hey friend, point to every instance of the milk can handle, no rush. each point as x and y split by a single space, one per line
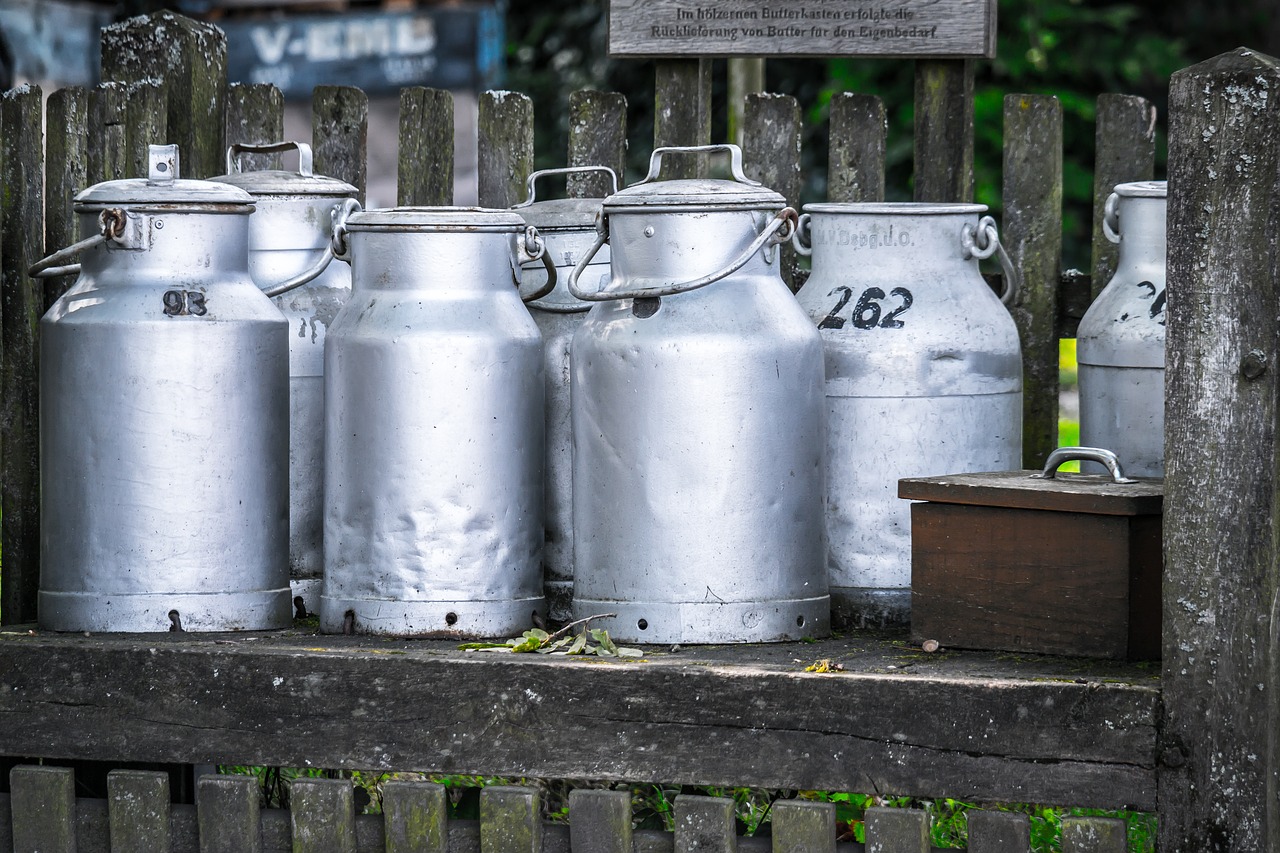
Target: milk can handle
111 227
1111 218
787 216
735 161
802 237
304 154
339 215
983 242
570 170
534 248
1089 454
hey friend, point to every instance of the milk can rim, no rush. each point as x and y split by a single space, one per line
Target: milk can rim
693 194
911 208
561 214
1142 189
281 182
141 191
449 218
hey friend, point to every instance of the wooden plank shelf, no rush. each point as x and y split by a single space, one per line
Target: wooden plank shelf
969 725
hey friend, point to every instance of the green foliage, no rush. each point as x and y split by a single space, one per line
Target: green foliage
594 641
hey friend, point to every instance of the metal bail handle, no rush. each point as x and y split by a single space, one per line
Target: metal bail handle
787 216
534 248
1088 454
338 215
802 237
304 154
1111 218
983 242
735 161
530 197
112 223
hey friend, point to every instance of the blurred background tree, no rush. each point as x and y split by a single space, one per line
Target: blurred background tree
1074 49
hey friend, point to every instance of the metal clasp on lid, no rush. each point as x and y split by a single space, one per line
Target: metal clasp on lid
162 164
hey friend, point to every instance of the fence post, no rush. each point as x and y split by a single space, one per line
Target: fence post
1124 150
1032 234
340 134
599 821
998 832
897 830
597 137
21 305
804 827
139 810
510 820
191 59
424 175
416 816
944 130
858 129
66 173
322 815
505 150
1219 750
43 801
229 815
704 825
771 155
255 116
682 112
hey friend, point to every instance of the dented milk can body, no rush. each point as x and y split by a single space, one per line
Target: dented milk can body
568 226
698 430
433 434
1120 341
289 241
164 419
923 376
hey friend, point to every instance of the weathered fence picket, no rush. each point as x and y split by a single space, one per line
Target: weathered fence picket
682 113
597 137
425 167
139 810
944 130
1124 150
998 832
340 135
771 155
255 116
66 173
857 131
504 148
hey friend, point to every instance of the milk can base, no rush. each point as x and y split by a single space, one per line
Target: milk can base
871 608
662 622
461 619
219 611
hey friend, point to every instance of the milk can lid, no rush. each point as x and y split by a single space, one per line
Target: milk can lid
694 194
562 214
466 219
281 182
1143 189
161 186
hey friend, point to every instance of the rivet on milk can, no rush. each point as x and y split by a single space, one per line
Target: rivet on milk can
698 421
569 227
163 417
434 428
1120 340
924 376
290 249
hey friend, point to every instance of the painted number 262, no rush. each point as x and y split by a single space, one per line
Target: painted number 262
867 310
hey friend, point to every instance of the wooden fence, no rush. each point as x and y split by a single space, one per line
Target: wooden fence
1197 742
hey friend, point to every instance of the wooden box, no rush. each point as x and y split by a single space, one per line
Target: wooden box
1069 565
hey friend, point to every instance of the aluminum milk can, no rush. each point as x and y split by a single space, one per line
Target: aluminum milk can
163 418
568 226
924 377
1120 341
433 429
289 254
698 422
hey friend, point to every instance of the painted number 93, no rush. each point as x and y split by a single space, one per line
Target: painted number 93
868 310
178 303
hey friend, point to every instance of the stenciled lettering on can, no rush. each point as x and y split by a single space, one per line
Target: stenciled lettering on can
873 238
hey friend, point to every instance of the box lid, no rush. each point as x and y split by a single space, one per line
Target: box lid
1096 494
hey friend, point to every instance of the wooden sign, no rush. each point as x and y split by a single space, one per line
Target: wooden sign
914 28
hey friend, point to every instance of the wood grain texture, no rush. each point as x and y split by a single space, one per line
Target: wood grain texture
255 116
771 155
417 817
858 131
1067 492
1222 591
190 58
340 135
897 830
146 102
1032 235
66 173
425 173
108 128
21 306
228 811
1124 150
944 131
714 717
322 815
682 113
597 137
831 28
139 810
600 821
998 832
43 805
505 148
